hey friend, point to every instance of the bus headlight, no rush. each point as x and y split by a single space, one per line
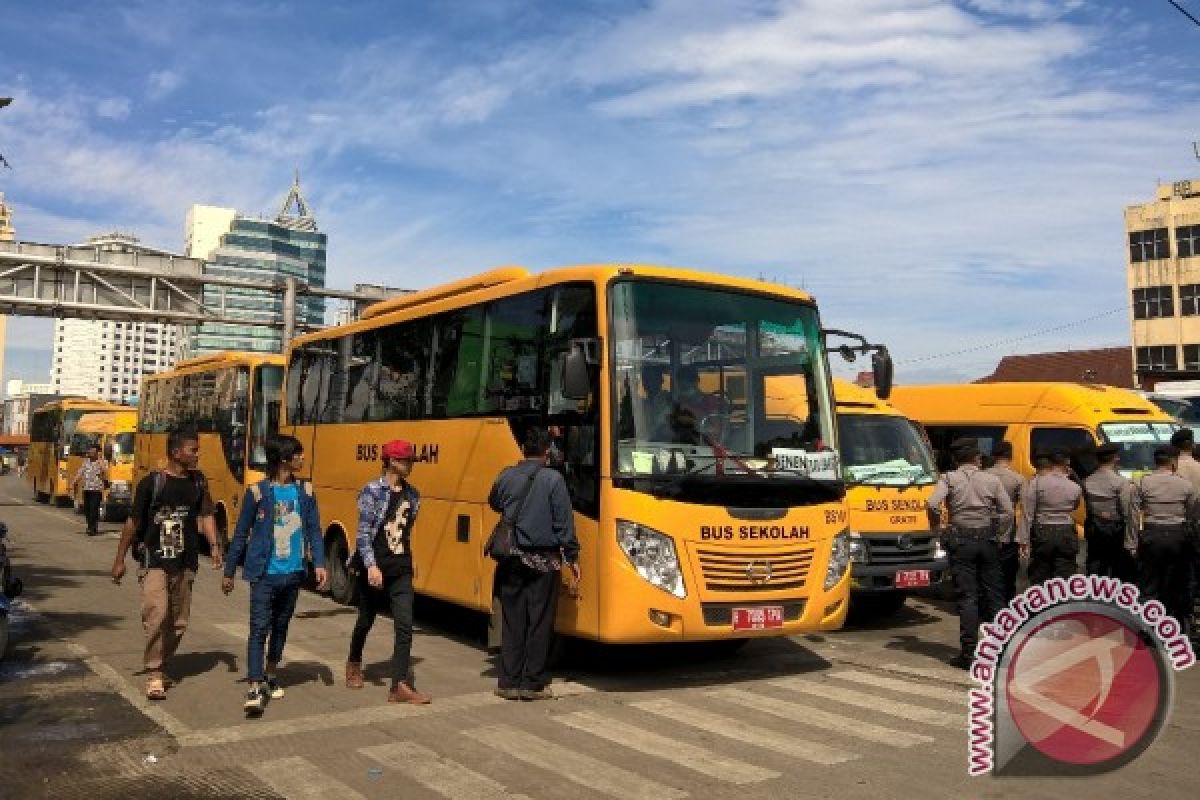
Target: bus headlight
839 559
859 553
653 555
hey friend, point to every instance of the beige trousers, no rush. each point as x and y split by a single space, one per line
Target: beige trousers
166 607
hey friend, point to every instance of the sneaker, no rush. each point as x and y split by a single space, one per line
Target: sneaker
507 694
536 694
256 701
274 688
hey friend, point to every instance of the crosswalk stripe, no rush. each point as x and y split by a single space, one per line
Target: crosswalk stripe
957 696
448 778
291 652
945 675
697 759
819 718
576 767
872 702
724 726
299 779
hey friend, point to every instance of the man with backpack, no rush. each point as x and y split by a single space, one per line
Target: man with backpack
278 521
537 506
171 507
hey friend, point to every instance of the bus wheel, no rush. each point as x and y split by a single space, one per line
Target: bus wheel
41 497
342 586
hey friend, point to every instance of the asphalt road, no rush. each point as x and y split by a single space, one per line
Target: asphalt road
868 712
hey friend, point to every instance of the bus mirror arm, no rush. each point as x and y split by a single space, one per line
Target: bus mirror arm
577 368
882 369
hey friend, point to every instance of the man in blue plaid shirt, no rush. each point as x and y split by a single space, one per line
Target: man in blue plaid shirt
387 509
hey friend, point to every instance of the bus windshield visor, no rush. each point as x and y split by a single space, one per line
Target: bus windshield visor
883 451
712 383
1138 441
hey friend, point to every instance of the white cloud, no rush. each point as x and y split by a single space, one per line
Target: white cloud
115 108
162 83
1031 9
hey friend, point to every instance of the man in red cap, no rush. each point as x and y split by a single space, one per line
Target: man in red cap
387 509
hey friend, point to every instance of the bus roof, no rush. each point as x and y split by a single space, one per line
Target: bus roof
508 280
79 404
225 357
854 399
1022 402
108 422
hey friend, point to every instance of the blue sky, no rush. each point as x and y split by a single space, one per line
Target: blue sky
943 175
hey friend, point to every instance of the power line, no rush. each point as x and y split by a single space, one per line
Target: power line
1015 339
1184 11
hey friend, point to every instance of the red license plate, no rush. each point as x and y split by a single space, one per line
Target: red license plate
912 578
757 619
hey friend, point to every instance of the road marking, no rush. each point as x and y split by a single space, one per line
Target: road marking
447 778
291 652
750 734
698 759
956 696
819 718
575 767
391 712
946 675
296 777
118 684
872 702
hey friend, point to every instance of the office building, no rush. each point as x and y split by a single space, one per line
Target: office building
106 359
1163 274
237 246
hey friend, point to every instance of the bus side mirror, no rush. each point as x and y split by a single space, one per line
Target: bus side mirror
577 373
881 372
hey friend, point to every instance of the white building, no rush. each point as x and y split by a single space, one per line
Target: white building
104 359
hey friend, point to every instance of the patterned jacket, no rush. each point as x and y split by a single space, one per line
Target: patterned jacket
372 508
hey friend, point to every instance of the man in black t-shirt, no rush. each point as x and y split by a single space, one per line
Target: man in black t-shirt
171 507
387 509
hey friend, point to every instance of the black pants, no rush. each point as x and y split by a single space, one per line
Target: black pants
397 594
1053 553
528 599
1164 557
1106 553
1010 565
978 581
91 509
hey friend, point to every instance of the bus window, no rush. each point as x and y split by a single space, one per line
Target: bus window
268 385
511 353
1076 441
942 436
458 354
404 354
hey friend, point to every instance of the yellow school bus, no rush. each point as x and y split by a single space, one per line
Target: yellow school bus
113 433
889 473
50 431
232 401
702 515
1041 416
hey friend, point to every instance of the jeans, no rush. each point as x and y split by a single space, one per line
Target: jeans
1053 553
528 599
397 593
978 581
91 509
272 603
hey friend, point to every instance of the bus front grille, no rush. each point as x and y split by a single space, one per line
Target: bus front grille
889 550
769 571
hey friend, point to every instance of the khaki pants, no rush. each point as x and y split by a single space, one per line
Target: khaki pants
166 607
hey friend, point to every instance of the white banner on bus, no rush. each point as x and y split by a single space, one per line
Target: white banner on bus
823 465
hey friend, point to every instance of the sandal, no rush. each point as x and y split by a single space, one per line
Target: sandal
155 690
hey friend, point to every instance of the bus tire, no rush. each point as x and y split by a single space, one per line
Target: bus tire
343 588
41 497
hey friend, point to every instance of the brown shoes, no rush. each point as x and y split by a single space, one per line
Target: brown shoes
354 675
403 693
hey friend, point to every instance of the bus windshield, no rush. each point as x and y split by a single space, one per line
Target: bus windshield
1138 441
882 450
717 385
264 419
122 448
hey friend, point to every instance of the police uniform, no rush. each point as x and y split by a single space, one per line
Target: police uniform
1108 497
1164 502
1189 468
1010 558
978 508
1047 527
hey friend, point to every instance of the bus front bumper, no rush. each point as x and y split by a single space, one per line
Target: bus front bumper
875 578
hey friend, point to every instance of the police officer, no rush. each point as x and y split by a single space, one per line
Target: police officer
1164 502
1108 496
1046 535
978 508
1010 561
1187 467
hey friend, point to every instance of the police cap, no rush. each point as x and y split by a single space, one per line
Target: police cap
1106 451
1183 438
964 449
1165 455
1002 449
1060 456
1041 459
